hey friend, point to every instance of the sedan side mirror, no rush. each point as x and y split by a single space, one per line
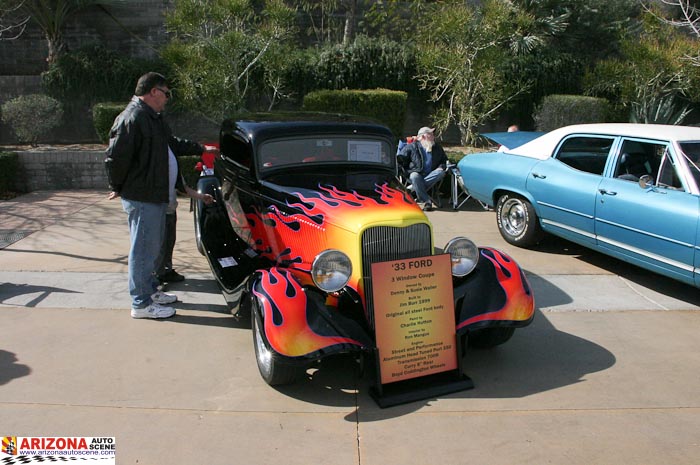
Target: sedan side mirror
646 181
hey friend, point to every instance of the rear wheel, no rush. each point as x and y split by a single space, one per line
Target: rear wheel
517 221
272 371
489 337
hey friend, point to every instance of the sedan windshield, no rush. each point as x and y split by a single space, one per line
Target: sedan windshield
324 150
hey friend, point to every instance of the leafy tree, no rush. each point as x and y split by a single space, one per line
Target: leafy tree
683 14
219 50
13 21
459 52
653 81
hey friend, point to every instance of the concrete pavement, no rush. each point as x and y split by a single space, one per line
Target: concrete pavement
608 373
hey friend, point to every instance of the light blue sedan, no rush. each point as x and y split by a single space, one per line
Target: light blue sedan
628 190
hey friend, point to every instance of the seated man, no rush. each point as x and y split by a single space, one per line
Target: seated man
424 161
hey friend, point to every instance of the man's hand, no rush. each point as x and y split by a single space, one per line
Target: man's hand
112 195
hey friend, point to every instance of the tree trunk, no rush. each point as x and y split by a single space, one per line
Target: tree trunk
349 33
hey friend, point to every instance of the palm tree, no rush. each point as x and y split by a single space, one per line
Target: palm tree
51 16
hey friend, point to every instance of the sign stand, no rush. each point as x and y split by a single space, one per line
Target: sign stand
418 351
426 387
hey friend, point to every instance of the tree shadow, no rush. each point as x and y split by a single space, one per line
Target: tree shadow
10 369
9 291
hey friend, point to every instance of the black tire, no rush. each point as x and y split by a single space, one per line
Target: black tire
517 221
198 229
272 371
489 337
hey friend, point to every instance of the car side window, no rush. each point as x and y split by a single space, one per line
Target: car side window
236 151
691 151
653 159
585 153
668 173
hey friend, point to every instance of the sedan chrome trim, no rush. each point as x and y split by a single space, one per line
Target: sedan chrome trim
569 228
556 207
644 253
646 233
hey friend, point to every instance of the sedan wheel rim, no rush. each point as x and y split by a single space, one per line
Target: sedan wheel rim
513 217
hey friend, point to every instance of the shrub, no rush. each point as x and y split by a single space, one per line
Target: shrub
32 115
8 171
103 116
187 164
94 73
386 106
563 110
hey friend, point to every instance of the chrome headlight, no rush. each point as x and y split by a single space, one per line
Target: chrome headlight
464 255
331 270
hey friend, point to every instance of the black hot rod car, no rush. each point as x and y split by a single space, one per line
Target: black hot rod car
304 207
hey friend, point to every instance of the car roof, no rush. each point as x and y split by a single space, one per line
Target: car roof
544 146
258 127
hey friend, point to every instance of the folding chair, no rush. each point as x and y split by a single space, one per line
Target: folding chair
460 193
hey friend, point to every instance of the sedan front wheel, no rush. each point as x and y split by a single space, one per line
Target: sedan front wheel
517 221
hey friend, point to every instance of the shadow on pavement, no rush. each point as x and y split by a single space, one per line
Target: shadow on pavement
538 358
10 369
9 291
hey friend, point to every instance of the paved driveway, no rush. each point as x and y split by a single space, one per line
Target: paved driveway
608 373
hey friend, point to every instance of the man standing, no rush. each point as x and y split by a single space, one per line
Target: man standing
139 172
425 161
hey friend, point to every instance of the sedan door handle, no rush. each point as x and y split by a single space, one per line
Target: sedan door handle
538 176
607 192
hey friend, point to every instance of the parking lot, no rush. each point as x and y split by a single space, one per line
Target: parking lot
608 373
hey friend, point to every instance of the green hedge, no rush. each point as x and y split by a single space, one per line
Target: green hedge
9 164
563 110
187 170
103 116
386 106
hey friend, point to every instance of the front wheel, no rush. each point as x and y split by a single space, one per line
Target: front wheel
272 371
517 221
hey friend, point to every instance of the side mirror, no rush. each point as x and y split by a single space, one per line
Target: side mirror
646 181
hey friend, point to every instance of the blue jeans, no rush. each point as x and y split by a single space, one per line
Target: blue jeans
146 229
422 185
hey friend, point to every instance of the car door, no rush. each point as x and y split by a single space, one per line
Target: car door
656 225
565 186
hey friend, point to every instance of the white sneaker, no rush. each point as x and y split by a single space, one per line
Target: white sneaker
153 311
162 298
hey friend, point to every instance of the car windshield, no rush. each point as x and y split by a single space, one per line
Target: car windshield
691 151
324 149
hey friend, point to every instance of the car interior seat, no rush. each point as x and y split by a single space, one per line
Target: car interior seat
633 165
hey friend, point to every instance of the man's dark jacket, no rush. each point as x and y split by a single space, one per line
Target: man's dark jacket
411 157
137 156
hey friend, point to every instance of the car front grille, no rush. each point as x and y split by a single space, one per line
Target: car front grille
387 243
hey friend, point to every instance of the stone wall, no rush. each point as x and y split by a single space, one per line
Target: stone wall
46 170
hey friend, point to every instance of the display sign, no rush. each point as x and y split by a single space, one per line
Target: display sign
414 317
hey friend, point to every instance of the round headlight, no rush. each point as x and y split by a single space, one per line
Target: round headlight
464 255
331 270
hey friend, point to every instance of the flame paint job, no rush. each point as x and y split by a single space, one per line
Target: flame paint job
515 304
287 328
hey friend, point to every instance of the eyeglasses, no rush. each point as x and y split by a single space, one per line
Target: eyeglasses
168 93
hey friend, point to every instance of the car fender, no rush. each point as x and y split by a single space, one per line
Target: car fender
488 175
496 293
297 322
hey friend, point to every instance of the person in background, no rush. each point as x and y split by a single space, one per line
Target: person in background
511 128
165 271
425 162
140 171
